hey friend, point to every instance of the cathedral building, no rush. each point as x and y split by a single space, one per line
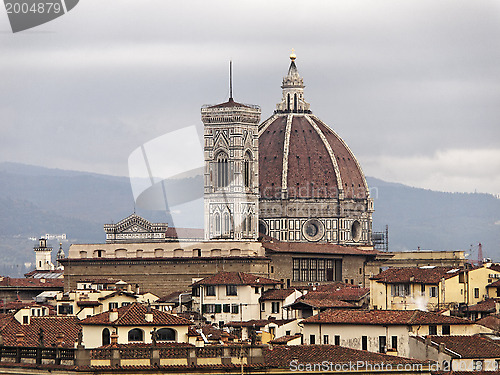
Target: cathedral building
285 199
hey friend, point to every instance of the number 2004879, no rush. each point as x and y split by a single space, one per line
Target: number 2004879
25 8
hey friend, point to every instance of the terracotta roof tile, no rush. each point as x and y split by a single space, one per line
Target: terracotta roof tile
6 282
488 305
51 325
470 346
323 303
383 317
424 275
276 294
285 339
490 321
135 314
316 248
236 278
345 292
282 355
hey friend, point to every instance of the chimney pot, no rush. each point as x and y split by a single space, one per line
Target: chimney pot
113 315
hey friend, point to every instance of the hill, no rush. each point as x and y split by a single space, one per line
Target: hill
36 200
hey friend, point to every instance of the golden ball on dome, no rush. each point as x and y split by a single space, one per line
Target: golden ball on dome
293 56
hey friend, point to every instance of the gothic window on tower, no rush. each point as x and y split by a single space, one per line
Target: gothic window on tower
217 223
226 228
222 170
246 226
247 170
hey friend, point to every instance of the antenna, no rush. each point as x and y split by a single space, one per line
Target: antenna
230 79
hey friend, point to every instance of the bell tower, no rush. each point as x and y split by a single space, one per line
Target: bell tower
231 178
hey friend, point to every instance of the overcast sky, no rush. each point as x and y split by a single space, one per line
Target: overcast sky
413 87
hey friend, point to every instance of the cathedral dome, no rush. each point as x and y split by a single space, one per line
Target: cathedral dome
311 187
301 157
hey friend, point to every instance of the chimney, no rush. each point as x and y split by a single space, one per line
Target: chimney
114 338
129 288
149 316
113 315
19 339
137 289
497 307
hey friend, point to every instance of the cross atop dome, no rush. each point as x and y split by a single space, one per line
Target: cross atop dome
293 91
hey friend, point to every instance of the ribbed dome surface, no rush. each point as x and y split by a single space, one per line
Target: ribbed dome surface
300 155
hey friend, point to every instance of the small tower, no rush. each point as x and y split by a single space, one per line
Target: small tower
231 180
60 255
43 256
293 91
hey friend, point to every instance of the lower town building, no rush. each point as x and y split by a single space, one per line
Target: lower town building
383 331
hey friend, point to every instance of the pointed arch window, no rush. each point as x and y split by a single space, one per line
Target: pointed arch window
226 224
288 102
295 102
247 169
222 170
217 223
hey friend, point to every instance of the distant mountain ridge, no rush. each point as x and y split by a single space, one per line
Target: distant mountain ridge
37 200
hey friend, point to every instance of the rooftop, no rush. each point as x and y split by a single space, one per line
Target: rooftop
135 315
236 278
383 317
470 346
422 275
315 248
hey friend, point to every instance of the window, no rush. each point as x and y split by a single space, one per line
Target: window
226 228
125 303
325 339
106 337
312 339
247 170
288 333
337 340
446 329
195 291
275 307
257 290
166 334
211 308
382 344
394 342
433 291
135 334
226 308
113 305
25 319
231 290
263 306
312 269
422 289
476 292
235 309
210 290
400 290
433 330
364 342
65 309
222 170
217 223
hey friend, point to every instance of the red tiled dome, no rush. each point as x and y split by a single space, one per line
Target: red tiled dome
301 154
